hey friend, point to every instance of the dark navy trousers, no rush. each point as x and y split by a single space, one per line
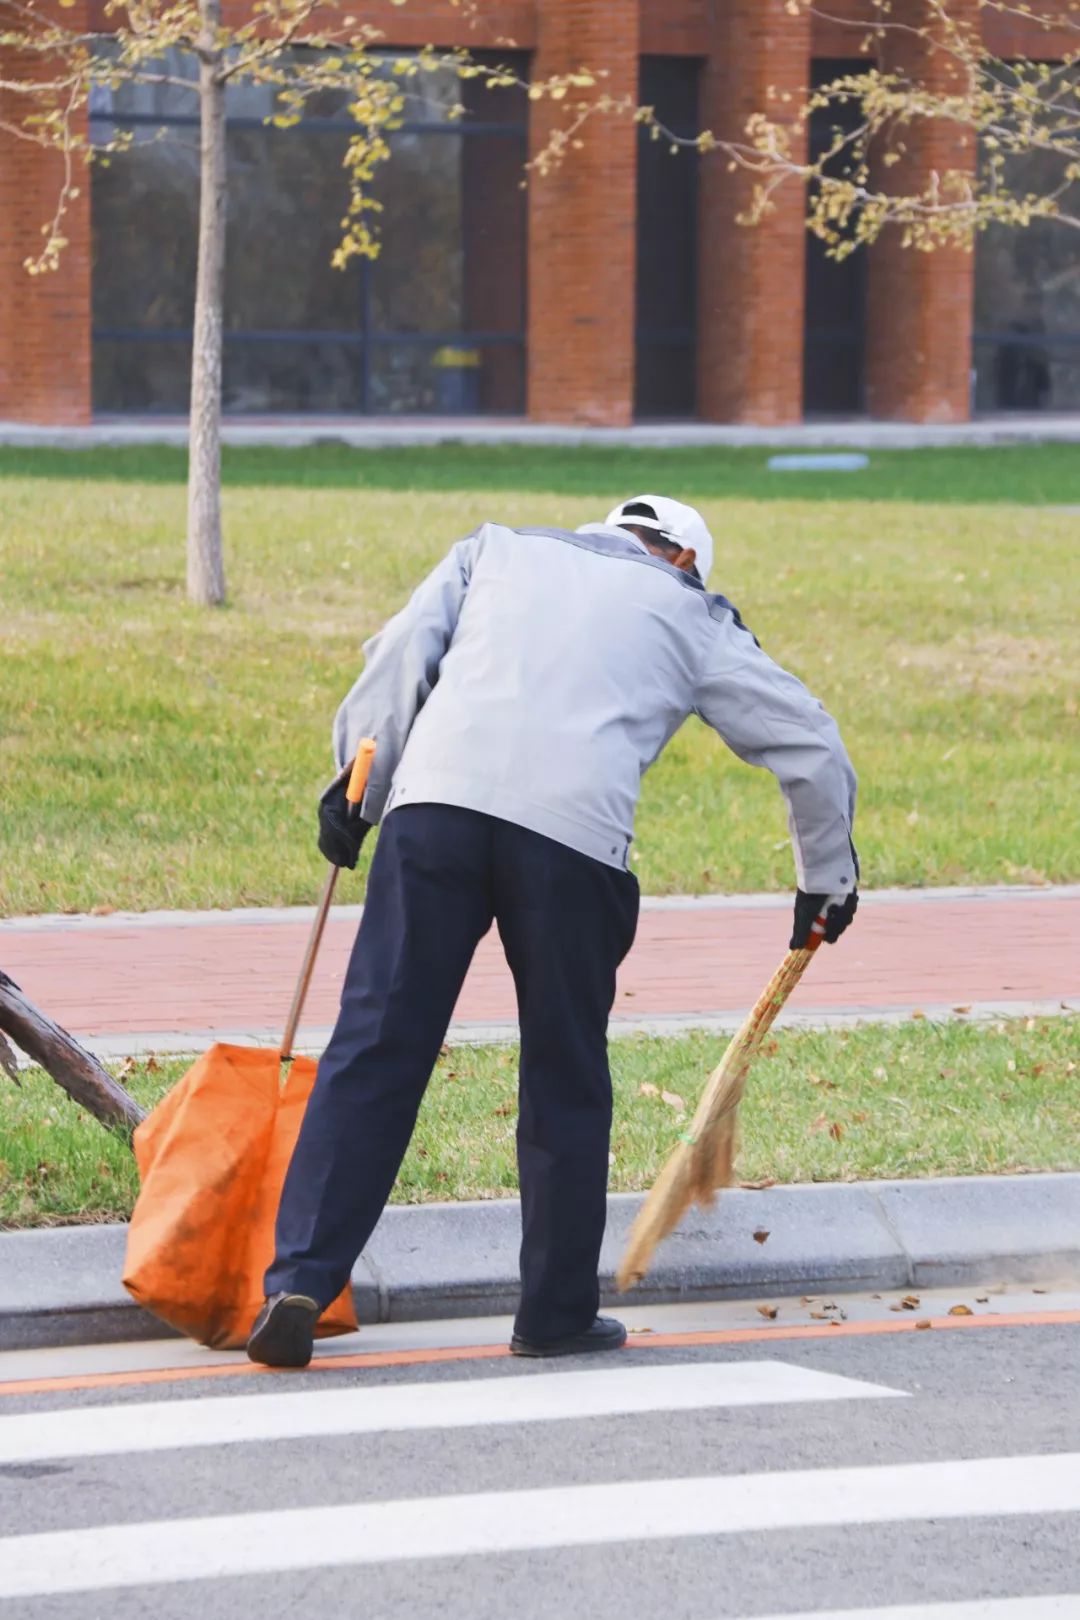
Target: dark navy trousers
439 877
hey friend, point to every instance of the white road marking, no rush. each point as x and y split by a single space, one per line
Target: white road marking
173 1550
1066 1607
97 1431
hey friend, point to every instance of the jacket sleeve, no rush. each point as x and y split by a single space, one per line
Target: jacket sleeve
401 666
767 717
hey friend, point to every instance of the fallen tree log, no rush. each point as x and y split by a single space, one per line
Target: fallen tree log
70 1065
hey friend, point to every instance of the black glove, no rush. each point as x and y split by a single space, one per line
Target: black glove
839 911
342 829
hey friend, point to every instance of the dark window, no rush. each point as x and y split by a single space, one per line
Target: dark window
435 324
834 383
666 383
1027 302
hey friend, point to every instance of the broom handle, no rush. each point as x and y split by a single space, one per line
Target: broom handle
744 1044
354 792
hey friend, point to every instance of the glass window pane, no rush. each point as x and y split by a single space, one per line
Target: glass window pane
144 219
494 233
666 371
287 195
142 100
836 290
452 262
142 377
416 379
417 279
320 378
1027 302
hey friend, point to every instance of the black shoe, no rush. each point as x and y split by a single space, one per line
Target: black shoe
284 1331
604 1334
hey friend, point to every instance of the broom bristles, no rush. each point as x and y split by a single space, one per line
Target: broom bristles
661 1212
704 1161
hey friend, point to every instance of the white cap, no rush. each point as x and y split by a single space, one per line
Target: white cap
673 521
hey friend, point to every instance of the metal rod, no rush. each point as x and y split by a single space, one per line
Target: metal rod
308 965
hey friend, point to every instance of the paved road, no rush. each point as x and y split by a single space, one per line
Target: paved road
714 1469
174 981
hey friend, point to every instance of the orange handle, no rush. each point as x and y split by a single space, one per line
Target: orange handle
365 753
817 933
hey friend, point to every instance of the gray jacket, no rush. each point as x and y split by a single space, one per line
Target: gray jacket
536 674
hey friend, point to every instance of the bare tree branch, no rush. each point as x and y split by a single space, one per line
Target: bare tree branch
69 1064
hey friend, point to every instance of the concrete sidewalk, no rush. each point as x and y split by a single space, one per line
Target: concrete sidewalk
174 981
428 1261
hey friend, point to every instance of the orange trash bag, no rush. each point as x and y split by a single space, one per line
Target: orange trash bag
212 1158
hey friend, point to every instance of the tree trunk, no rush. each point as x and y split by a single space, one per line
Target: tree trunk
205 564
61 1056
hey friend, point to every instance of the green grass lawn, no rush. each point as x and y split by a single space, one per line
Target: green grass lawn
912 1100
156 755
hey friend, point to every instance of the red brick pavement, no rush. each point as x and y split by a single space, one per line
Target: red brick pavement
122 976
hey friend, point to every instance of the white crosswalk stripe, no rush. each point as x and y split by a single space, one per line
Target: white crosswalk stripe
526 1520
536 1514
541 1397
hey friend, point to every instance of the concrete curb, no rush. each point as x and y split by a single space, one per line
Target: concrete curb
401 432
467 1032
62 1286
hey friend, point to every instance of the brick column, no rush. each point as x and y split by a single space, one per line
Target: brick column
752 279
582 222
920 305
44 319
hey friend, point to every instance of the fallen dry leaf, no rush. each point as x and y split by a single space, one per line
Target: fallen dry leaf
961 1009
761 1236
673 1100
758 1186
819 1124
982 1299
769 1312
647 1090
910 1302
961 1310
819 1316
1040 1290
925 1323
836 1130
918 1013
641 1330
820 1080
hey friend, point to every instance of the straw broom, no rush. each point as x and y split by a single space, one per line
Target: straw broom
704 1159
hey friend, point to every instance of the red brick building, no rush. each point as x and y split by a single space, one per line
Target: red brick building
620 288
